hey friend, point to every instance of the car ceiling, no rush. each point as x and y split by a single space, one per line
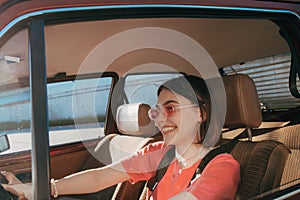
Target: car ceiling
227 41
69 46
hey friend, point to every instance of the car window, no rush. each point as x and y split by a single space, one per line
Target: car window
15 93
77 109
142 88
90 96
271 77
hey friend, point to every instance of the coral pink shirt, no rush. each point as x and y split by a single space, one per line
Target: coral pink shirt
219 179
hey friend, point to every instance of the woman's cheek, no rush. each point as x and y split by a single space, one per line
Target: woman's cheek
159 124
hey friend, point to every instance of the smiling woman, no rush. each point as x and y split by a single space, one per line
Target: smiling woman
181 129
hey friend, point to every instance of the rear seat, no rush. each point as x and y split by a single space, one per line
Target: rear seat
262 162
133 122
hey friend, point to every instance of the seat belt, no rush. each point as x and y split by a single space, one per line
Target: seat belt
161 169
225 148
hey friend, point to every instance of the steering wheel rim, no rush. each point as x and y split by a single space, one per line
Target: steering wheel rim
4 195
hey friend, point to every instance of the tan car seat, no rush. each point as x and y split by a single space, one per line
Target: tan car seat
262 162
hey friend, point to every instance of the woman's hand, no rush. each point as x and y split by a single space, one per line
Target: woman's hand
22 197
19 194
13 181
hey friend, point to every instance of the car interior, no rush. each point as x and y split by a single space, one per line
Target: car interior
257 175
268 153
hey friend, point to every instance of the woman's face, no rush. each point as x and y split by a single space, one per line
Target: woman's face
180 126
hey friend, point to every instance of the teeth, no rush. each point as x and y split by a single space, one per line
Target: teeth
168 129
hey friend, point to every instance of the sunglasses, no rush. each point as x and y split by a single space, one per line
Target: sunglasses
168 110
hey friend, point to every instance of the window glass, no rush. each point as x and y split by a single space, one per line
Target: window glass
142 88
14 93
77 105
271 77
15 109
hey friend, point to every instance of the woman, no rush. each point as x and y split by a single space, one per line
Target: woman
182 115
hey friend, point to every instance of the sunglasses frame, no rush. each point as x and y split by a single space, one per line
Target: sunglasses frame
159 109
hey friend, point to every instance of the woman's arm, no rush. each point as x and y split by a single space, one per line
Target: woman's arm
91 180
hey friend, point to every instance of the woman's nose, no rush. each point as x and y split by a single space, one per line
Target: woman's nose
162 116
161 119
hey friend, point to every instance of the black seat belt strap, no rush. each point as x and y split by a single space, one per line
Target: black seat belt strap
225 148
161 169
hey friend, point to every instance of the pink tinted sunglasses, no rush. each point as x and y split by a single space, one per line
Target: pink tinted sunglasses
168 110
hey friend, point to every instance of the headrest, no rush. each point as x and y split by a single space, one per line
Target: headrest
132 119
243 108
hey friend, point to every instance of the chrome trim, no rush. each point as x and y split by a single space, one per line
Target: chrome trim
291 194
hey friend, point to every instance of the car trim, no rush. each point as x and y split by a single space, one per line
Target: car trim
87 8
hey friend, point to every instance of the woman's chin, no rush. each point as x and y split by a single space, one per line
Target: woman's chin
169 140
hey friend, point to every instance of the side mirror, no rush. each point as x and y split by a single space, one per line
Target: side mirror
4 143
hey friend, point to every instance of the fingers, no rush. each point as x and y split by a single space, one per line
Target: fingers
3 173
11 178
22 197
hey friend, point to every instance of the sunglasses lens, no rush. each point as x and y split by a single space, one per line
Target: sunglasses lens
169 110
153 113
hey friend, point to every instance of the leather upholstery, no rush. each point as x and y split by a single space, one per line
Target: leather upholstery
261 163
243 108
290 136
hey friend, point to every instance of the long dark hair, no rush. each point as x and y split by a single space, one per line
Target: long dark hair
195 89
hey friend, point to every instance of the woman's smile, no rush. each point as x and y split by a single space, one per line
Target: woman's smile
167 129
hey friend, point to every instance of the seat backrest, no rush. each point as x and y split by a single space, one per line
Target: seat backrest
243 108
262 165
290 136
262 162
136 128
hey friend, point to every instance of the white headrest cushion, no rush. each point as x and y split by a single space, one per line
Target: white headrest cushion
132 119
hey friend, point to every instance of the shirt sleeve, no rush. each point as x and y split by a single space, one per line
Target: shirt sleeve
143 164
219 179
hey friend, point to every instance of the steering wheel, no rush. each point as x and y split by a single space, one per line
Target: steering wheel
4 195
